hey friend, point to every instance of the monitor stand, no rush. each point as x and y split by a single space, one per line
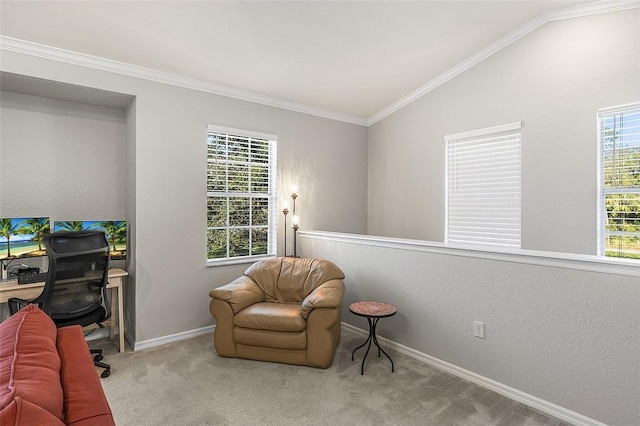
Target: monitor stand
4 269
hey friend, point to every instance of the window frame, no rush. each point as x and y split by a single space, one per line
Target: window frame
270 195
602 189
470 137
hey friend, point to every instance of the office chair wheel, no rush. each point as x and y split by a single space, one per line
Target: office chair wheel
105 374
98 358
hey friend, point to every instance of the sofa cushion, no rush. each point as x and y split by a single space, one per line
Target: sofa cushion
271 316
84 399
24 413
29 362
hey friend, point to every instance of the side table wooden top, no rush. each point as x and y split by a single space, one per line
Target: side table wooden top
372 309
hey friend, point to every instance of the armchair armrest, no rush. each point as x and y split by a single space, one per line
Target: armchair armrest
239 293
327 295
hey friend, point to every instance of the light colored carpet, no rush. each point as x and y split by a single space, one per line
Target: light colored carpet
187 383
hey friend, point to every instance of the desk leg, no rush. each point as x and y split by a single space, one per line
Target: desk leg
121 316
112 331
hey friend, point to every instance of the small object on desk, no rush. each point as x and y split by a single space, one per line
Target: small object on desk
31 277
372 311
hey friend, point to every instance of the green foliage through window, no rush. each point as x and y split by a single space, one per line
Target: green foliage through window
240 195
620 183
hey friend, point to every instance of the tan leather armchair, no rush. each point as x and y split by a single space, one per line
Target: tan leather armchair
283 310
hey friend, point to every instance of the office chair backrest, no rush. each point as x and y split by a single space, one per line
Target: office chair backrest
77 276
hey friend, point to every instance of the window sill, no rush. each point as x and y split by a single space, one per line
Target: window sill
236 261
582 262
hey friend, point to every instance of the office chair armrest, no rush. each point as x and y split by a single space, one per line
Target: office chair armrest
327 295
15 304
239 293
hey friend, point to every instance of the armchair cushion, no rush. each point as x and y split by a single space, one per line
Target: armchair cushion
271 316
289 282
270 339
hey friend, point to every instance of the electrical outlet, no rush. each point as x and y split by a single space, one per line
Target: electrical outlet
478 329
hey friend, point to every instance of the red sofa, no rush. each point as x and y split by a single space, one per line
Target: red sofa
47 376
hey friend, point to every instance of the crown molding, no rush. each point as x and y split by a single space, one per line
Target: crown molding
595 8
24 47
74 58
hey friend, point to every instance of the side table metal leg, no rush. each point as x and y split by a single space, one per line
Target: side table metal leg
375 340
366 353
365 342
374 336
370 338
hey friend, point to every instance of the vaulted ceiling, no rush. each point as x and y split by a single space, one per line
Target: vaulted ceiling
352 57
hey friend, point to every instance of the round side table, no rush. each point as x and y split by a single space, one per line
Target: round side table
372 311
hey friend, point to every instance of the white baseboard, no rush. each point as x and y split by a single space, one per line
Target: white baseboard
530 400
144 344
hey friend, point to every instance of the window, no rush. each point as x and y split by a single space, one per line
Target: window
483 186
241 194
619 188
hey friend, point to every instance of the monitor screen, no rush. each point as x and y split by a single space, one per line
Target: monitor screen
22 237
115 230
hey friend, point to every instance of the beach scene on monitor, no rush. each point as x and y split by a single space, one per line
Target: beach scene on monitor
22 237
115 230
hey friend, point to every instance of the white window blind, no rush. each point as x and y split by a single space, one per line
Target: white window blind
483 186
241 194
619 189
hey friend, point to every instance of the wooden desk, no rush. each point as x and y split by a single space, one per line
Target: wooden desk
11 288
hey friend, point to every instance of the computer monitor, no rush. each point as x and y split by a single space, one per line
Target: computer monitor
22 237
115 230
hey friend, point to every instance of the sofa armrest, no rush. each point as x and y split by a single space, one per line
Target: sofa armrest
239 293
327 295
85 403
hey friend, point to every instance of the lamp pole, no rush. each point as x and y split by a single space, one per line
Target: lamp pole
285 211
295 251
293 197
295 222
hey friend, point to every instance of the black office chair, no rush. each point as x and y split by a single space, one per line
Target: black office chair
75 291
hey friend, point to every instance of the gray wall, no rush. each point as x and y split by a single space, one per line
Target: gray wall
554 79
163 191
130 212
61 159
570 337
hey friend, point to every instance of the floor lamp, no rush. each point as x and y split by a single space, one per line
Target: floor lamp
295 221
